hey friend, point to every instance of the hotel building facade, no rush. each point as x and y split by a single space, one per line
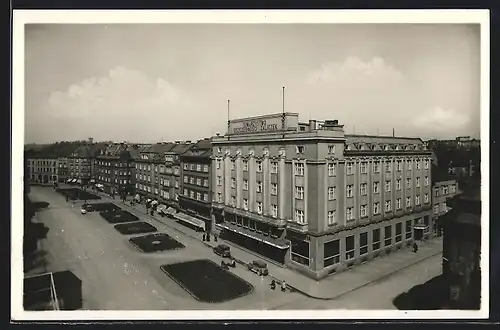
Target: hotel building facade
310 197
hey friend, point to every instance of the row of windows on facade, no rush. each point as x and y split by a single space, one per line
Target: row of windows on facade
157 169
43 169
440 207
42 162
162 193
163 182
300 249
299 167
117 164
80 173
195 195
363 210
274 208
116 172
108 179
298 149
202 182
196 167
444 190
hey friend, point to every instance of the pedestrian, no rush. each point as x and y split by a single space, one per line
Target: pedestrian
215 237
203 237
283 286
273 285
415 247
208 237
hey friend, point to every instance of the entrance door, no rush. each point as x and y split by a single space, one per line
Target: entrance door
418 234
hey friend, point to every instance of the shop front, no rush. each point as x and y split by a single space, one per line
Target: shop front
262 238
421 228
199 210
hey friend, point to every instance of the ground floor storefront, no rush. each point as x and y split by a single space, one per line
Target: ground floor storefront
198 210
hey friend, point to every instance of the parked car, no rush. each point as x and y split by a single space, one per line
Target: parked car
258 267
223 250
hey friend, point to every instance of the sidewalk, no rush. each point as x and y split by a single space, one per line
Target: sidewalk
327 289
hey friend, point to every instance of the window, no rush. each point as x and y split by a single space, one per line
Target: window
453 189
436 209
363 244
426 198
218 164
417 165
362 189
362 211
417 200
198 196
426 164
436 192
408 231
245 184
331 150
191 180
349 247
259 186
299 192
259 207
376 208
299 216
388 186
332 170
348 168
219 197
349 190
233 183
205 182
331 253
408 183
176 183
426 181
388 236
417 182
300 251
205 168
274 167
408 202
445 190
274 189
191 194
245 204
388 166
398 166
331 218
233 165
219 180
245 165
331 193
388 206
300 149
376 167
398 204
376 187
399 232
362 168
274 210
198 181
408 165
233 201
349 214
259 166
299 169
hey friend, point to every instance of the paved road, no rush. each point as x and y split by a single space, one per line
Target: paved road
379 294
116 276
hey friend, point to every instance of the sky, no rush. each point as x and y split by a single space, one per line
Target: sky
166 82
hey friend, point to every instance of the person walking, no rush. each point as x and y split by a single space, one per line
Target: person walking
215 237
273 285
283 286
415 247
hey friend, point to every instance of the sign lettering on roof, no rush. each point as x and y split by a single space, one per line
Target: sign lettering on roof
270 124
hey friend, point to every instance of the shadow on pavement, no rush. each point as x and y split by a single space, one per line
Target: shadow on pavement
430 295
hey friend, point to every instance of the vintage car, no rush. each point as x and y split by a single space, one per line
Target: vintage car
223 250
86 208
258 267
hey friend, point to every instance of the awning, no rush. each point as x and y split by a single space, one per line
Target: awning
69 180
420 227
73 181
162 207
189 219
171 210
273 242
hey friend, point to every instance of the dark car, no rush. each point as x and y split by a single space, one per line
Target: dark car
258 267
86 208
223 250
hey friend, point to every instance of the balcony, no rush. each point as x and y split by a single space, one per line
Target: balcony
300 227
255 216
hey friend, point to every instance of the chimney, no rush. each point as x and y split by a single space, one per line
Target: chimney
91 140
312 125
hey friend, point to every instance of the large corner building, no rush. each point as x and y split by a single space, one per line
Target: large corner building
315 199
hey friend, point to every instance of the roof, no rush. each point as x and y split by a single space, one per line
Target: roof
383 143
202 148
55 150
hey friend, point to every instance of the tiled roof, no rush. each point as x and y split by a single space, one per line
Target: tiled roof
380 143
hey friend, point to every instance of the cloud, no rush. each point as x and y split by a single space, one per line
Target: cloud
123 102
439 119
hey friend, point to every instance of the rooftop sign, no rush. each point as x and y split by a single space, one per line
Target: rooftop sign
262 124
